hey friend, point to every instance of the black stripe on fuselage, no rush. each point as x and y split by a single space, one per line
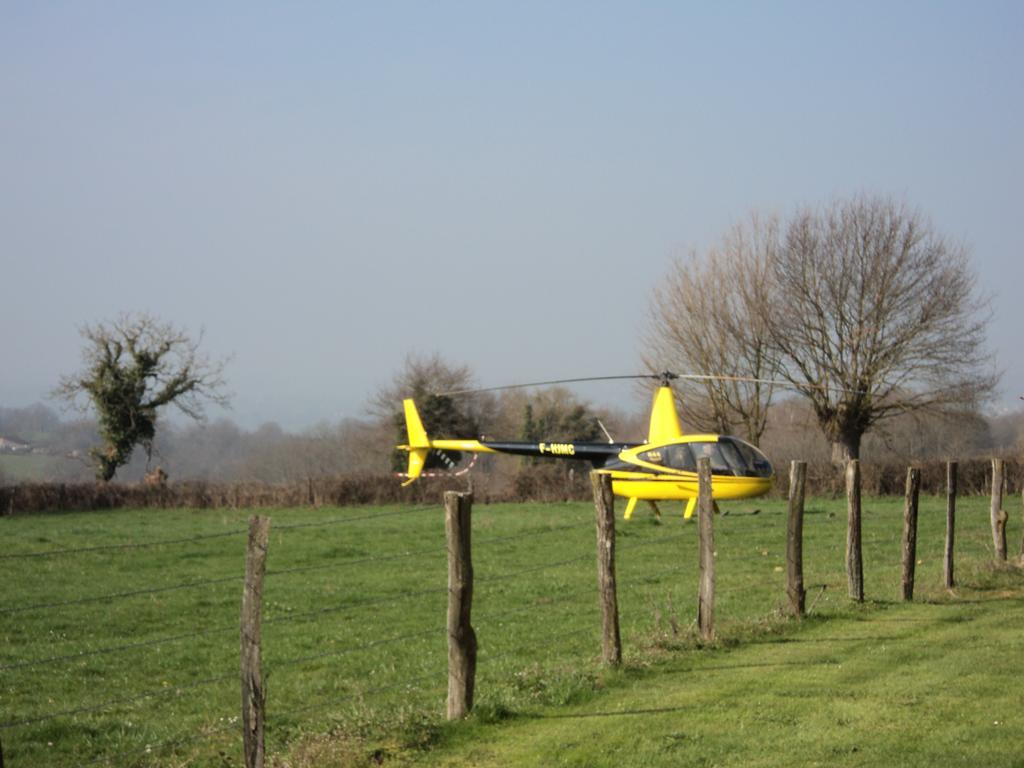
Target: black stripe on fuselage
596 453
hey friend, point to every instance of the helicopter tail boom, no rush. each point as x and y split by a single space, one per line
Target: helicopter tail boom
420 445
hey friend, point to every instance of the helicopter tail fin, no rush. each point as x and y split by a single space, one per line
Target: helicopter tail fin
664 418
419 443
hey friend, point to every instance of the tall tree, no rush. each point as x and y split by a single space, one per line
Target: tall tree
555 414
703 321
871 312
134 367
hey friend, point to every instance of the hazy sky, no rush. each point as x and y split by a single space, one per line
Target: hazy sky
325 187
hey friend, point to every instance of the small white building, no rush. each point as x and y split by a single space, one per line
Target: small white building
12 446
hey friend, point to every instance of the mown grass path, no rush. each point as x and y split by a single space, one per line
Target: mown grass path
910 685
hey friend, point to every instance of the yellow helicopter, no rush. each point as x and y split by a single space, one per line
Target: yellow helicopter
662 468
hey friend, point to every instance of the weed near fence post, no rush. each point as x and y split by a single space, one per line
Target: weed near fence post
998 515
254 696
795 539
461 637
706 528
854 552
947 568
910 531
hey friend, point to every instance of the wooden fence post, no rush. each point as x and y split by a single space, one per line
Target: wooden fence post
910 531
795 539
254 696
1021 539
461 637
706 528
604 505
997 514
854 556
947 568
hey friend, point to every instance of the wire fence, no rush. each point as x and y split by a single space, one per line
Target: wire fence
536 604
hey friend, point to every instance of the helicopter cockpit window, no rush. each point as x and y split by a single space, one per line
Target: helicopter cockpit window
728 456
680 457
673 456
750 461
719 465
733 458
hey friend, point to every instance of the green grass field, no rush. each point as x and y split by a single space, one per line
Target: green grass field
128 656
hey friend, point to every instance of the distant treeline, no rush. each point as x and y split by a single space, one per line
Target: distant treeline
536 483
219 464
222 452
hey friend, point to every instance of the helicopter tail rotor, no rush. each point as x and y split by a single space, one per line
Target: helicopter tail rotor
419 443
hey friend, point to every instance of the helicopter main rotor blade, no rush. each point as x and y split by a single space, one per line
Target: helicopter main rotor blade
755 380
664 377
546 383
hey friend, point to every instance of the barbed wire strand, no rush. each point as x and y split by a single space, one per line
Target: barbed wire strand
307 614
117 702
483 625
632 545
299 660
478 625
420 593
120 595
115 649
590 588
343 607
533 569
299 569
205 537
396 597
347 606
545 643
436 550
125 545
284 571
354 519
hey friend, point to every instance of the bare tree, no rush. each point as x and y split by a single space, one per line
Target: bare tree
872 313
430 380
703 321
135 366
419 376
